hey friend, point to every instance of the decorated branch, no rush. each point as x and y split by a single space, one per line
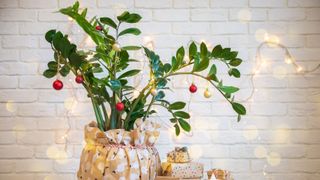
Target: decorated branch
113 92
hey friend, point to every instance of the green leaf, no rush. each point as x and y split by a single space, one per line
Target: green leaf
229 89
123 16
108 21
192 50
161 83
75 60
174 63
203 50
167 67
234 72
53 65
134 31
235 62
213 70
216 51
129 18
97 37
232 55
76 5
49 73
173 120
177 129
115 85
64 71
239 108
225 53
184 125
84 12
180 56
182 114
200 65
203 63
131 48
177 105
49 35
129 73
160 95
56 40
65 47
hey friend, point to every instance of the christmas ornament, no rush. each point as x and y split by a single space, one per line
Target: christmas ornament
207 93
99 28
116 47
154 92
119 106
57 84
193 88
79 79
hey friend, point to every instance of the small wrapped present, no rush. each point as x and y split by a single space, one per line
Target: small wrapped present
219 174
178 155
192 170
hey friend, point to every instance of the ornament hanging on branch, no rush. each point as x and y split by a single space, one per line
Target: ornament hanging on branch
193 88
207 93
57 85
79 79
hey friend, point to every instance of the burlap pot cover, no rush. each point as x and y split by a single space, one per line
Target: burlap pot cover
120 155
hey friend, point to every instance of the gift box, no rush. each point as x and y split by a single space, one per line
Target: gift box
178 155
219 174
190 170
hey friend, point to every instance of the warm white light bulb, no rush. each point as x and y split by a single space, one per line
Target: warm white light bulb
299 69
288 59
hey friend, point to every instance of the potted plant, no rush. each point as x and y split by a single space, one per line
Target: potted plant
121 131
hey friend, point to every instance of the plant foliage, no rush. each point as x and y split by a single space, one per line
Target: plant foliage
112 60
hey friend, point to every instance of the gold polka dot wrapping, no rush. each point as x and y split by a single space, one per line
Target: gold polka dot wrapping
118 155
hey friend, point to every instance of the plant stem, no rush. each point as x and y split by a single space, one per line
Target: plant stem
106 117
97 112
148 109
135 104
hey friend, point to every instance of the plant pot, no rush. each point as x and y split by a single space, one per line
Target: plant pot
120 155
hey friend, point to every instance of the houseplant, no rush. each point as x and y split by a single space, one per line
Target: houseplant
113 90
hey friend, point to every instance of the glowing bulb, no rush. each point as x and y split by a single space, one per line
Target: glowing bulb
272 40
288 59
299 69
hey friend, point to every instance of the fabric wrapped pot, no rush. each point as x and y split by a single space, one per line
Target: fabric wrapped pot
120 155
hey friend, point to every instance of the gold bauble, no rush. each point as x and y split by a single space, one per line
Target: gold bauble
154 92
207 93
116 47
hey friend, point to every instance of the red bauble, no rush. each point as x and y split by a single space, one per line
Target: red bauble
119 106
193 88
57 84
79 79
99 28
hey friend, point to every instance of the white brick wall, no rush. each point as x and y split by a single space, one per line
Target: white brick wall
282 119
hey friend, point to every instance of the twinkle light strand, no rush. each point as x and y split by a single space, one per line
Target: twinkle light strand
288 59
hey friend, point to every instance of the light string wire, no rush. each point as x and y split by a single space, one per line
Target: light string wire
289 59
